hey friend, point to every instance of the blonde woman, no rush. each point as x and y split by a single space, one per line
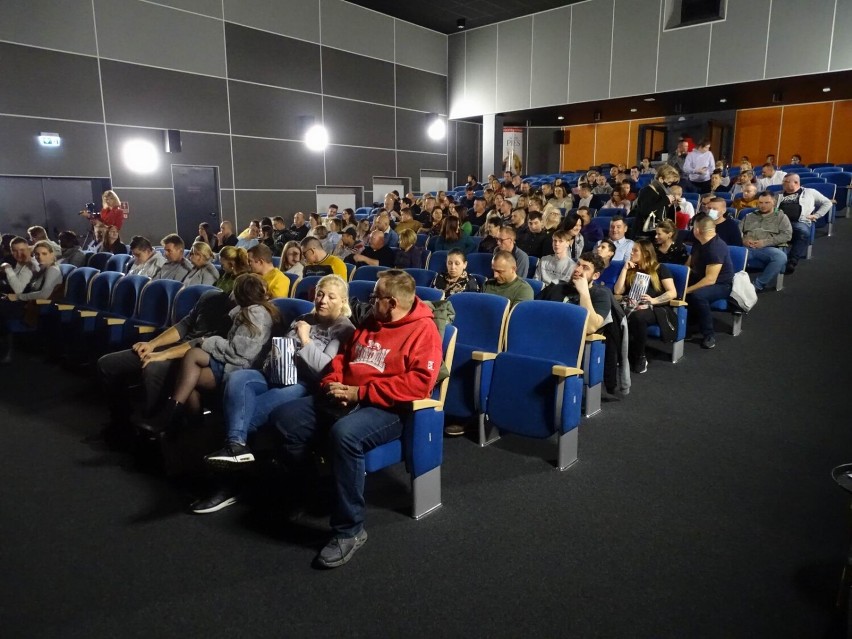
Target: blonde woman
203 271
234 263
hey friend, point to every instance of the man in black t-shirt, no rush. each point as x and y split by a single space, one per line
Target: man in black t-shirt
377 253
710 277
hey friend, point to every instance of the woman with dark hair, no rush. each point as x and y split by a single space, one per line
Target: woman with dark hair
455 278
451 237
652 306
349 219
669 250
655 200
573 225
204 235
71 251
112 242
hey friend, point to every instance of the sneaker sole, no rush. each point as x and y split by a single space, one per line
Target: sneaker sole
343 560
229 462
230 501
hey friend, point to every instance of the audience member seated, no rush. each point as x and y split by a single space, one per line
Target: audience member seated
407 221
409 254
176 267
436 221
298 229
250 237
364 402
479 212
451 237
235 262
748 199
573 224
726 228
669 249
491 237
506 282
249 396
597 300
628 195
601 187
770 176
291 258
592 234
765 232
95 239
318 262
207 236
455 278
803 207
717 184
204 367
651 307
617 231
348 244
382 224
745 177
112 242
43 281
506 242
557 268
146 261
605 250
38 234
155 364
225 236
376 253
710 277
551 219
583 197
71 251
203 271
561 199
536 240
260 261
618 201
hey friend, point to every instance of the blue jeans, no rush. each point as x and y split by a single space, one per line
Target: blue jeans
699 305
769 258
248 400
303 423
801 238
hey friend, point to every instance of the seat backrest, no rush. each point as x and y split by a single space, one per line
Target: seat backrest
680 275
422 276
428 294
421 239
350 269
827 189
840 179
305 288
609 212
825 170
361 290
610 273
536 285
448 348
481 320
66 269
186 299
276 261
99 260
100 289
437 261
739 257
480 263
155 301
293 279
548 330
775 188
118 262
533 265
77 285
820 165
368 272
125 295
291 308
602 222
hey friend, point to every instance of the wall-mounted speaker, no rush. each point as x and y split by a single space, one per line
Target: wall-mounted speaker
777 97
171 137
598 116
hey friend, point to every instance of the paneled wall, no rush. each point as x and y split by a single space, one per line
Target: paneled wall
601 49
607 142
236 77
819 132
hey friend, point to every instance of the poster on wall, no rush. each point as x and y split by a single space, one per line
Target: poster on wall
513 144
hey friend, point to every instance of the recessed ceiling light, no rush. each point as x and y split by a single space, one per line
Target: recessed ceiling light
681 119
560 117
826 89
723 100
633 110
650 99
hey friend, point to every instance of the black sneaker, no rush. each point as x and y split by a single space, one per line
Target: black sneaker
708 342
641 366
222 498
340 550
232 454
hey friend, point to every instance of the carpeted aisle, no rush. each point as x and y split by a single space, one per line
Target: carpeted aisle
702 506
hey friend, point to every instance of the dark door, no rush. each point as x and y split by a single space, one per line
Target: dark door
63 201
196 199
653 140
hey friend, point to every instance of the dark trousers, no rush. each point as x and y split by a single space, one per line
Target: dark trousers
637 328
701 187
699 305
10 311
118 371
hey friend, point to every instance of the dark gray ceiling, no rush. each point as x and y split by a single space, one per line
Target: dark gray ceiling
441 15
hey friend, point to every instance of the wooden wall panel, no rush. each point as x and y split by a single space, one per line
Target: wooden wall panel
804 130
580 151
756 133
611 139
840 144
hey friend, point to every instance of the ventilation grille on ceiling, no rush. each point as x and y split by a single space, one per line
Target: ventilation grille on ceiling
686 13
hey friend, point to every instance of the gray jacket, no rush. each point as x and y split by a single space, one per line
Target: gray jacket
42 284
314 360
149 268
242 348
774 228
207 274
174 270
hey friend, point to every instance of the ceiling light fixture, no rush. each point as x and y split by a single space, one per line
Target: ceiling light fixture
723 100
826 89
460 24
437 130
316 138
560 117
633 110
650 99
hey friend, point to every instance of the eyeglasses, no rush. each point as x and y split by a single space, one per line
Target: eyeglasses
374 298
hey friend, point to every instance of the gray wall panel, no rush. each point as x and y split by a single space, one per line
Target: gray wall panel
67 25
144 96
591 49
295 18
267 58
268 112
420 48
456 75
160 37
745 24
411 133
421 90
196 149
543 153
409 164
270 164
82 153
673 72
340 20
152 214
255 204
212 8
551 50
35 82
359 124
357 77
634 50
841 49
468 148
226 199
514 51
348 166
799 37
481 70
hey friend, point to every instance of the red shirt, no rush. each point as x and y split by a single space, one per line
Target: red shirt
113 217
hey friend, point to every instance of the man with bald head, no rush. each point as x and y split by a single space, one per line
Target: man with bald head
748 199
803 207
506 282
376 253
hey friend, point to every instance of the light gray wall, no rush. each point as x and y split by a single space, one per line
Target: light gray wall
601 49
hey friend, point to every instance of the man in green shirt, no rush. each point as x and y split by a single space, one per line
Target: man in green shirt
506 282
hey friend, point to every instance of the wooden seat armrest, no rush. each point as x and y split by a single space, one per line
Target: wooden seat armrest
483 356
88 313
144 330
115 321
566 371
678 303
65 307
419 404
595 337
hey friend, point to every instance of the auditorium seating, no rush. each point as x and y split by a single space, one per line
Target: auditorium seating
680 275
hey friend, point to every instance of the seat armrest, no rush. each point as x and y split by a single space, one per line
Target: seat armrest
420 404
88 313
143 330
115 321
43 302
678 303
595 337
65 307
483 356
566 371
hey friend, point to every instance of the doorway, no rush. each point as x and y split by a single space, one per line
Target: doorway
653 142
196 190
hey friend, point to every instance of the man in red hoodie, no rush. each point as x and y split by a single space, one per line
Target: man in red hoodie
392 360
